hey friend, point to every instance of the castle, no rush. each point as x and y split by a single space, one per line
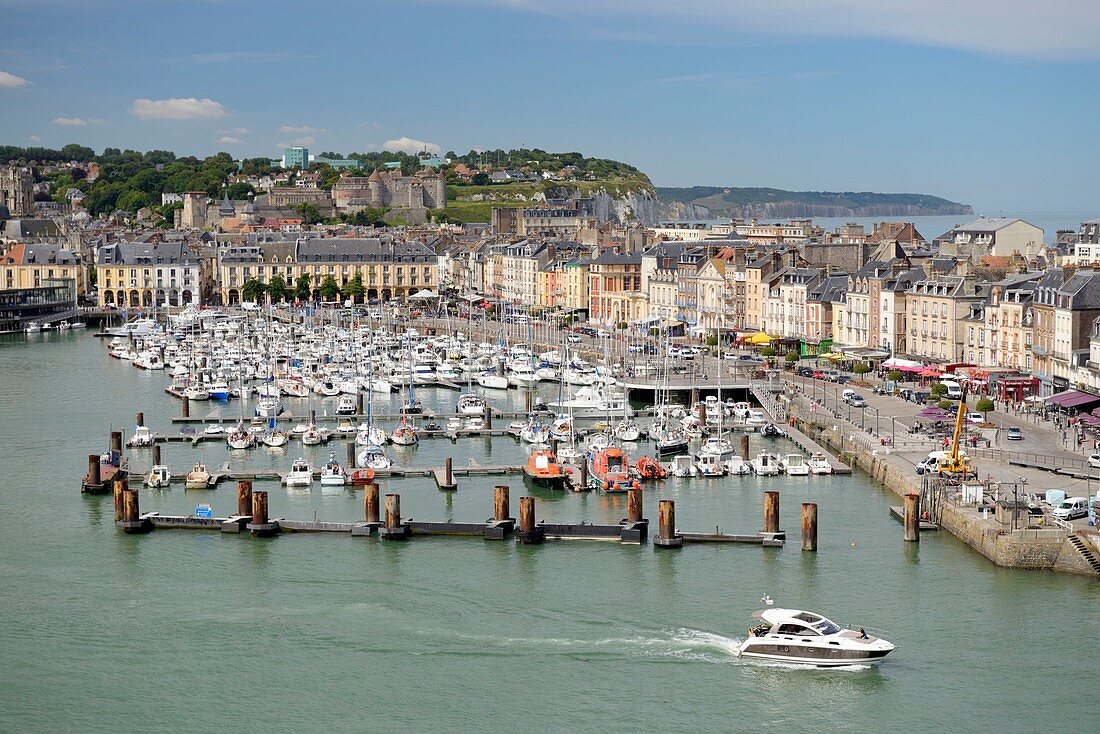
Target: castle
410 196
17 191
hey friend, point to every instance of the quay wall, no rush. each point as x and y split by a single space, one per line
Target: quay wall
1023 549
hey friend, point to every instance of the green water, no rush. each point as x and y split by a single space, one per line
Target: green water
200 632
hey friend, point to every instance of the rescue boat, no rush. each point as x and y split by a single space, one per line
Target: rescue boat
609 470
542 470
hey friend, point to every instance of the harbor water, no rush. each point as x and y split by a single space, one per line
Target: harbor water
203 632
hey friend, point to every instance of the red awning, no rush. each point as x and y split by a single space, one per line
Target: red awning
1074 399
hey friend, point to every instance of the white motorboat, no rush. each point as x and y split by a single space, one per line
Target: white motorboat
710 465
332 473
794 465
197 478
294 388
570 455
594 401
735 465
269 407
818 464
765 464
300 474
475 423
196 392
345 428
219 391
347 405
797 636
492 381
142 437
720 447
328 388
682 466
33 327
471 404
214 429
755 420
522 375
137 327
159 476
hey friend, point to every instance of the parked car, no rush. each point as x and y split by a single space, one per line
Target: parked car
1015 434
1094 461
1072 508
573 339
603 334
974 418
805 372
857 401
847 394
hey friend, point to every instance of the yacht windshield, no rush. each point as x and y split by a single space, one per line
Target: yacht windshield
826 627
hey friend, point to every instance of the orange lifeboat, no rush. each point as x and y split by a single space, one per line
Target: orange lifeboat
543 470
649 468
609 468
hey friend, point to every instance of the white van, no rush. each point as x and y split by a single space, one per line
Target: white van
931 462
1072 508
954 390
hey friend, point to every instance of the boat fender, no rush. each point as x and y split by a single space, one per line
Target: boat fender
637 484
367 474
607 485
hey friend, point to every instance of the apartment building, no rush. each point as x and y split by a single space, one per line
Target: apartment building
141 274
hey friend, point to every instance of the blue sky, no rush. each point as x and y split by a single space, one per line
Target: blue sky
989 102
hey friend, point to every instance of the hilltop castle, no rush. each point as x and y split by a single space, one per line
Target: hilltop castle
410 196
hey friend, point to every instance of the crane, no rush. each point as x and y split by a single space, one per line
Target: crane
955 464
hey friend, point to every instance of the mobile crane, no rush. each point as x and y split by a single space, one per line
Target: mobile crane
955 465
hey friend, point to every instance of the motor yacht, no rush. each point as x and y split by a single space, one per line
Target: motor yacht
300 474
794 465
142 437
470 404
219 391
492 381
755 420
594 401
797 636
683 466
710 465
737 466
720 447
269 407
197 478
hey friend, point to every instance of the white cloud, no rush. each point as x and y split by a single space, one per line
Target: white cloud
76 121
177 109
410 145
229 140
11 81
306 141
35 139
1054 29
240 130
300 129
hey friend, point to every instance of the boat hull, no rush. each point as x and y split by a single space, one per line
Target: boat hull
558 481
817 656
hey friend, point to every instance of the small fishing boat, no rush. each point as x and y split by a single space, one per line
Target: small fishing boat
797 636
737 466
765 464
542 470
609 470
710 465
159 476
300 474
332 473
818 464
142 437
197 478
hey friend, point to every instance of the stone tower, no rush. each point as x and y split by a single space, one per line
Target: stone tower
17 190
194 210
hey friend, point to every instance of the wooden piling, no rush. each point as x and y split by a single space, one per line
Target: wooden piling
584 473
393 510
370 502
447 471
140 418
912 518
186 407
244 497
350 455
116 442
488 415
529 531
809 526
156 454
501 503
259 507
634 505
745 446
130 511
93 470
666 526
527 400
119 485
771 512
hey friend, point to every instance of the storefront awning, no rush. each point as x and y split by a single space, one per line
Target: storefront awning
905 365
1074 399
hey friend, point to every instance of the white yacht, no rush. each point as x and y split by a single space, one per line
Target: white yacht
710 465
142 437
755 420
765 464
737 466
796 636
240 438
794 465
471 404
594 401
137 327
332 473
818 464
159 476
373 457
269 407
627 430
405 435
300 474
311 436
275 438
720 447
492 381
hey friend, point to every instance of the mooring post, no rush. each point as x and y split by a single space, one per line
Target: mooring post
312 415
635 528
131 521
394 529
186 407
502 524
93 470
447 471
912 517
351 455
554 446
666 526
116 442
370 502
244 497
528 531
527 400
584 473
745 446
809 526
118 486
488 415
771 513
634 505
156 454
359 403
501 509
261 526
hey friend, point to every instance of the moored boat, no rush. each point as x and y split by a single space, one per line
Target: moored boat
542 470
197 478
609 470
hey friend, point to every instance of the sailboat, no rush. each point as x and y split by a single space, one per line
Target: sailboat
273 437
405 434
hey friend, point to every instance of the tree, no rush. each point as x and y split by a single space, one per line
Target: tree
309 213
301 288
329 289
480 179
354 288
983 406
861 369
938 390
767 352
945 405
253 290
791 357
894 376
277 289
239 191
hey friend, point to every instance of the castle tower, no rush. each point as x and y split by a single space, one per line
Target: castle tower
194 210
374 186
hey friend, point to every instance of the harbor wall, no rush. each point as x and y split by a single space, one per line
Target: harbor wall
1024 549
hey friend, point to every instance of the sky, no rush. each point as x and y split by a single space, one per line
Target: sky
993 103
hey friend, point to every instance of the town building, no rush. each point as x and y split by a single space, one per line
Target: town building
992 237
409 197
16 192
143 274
31 265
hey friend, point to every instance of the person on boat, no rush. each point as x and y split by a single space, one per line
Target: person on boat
863 634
